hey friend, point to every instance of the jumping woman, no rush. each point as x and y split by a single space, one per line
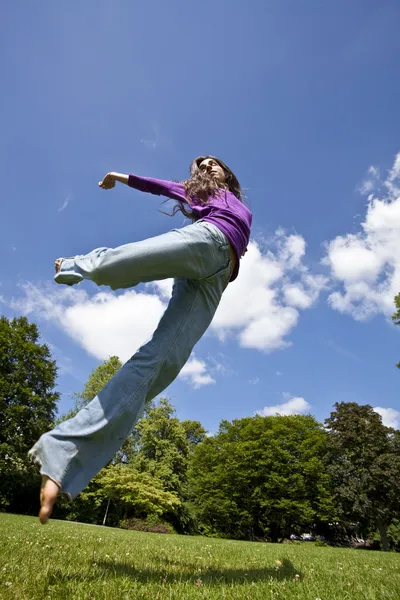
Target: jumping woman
203 258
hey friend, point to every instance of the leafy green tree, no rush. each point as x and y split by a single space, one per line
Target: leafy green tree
97 380
164 445
142 493
148 475
262 476
364 462
27 409
151 481
164 448
195 432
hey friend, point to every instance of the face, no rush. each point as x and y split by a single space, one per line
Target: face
213 169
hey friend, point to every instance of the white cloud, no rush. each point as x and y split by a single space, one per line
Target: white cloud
64 205
293 406
390 416
371 182
163 287
366 265
261 307
254 381
103 324
295 295
106 324
195 372
291 248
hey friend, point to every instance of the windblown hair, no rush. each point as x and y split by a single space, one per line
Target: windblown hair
200 186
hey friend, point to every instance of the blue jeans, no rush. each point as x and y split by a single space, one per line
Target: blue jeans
198 258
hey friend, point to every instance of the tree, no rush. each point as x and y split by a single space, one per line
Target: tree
141 492
148 475
364 462
396 316
164 445
164 448
151 480
27 408
97 380
262 476
195 432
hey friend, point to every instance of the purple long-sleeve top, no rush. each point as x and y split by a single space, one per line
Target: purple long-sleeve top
225 211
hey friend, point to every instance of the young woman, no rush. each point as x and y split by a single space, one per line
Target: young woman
202 258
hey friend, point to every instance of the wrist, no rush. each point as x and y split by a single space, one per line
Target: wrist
119 177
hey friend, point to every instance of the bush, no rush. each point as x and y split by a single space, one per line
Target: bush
151 524
320 543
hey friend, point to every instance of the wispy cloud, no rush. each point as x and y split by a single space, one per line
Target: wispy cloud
254 381
371 181
64 205
220 365
343 351
155 141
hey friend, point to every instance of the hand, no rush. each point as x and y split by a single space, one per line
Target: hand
108 182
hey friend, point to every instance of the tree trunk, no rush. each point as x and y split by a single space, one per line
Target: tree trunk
382 532
274 533
106 513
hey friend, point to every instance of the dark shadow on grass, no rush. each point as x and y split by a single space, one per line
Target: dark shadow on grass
188 571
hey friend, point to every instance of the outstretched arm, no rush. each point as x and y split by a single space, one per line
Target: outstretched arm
171 189
111 178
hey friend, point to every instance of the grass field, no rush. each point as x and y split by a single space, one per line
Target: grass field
85 562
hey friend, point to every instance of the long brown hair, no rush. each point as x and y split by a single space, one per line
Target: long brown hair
200 186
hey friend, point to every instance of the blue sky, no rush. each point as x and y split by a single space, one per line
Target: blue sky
300 99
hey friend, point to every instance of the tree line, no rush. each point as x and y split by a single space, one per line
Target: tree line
257 478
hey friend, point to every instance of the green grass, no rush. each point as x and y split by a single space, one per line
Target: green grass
85 562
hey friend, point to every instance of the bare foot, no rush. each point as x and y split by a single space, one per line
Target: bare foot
48 495
57 264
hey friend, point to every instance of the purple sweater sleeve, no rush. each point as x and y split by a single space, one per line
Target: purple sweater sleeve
171 189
